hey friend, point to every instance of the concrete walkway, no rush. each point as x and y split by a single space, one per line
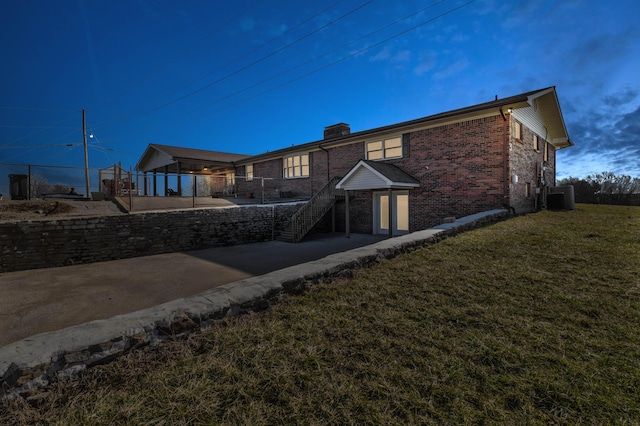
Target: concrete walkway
109 308
41 300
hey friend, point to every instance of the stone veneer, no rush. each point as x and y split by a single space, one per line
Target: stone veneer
49 243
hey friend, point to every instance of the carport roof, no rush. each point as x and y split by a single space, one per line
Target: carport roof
158 157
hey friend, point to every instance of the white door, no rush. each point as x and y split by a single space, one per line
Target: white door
400 212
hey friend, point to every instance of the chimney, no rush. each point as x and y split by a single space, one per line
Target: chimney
336 131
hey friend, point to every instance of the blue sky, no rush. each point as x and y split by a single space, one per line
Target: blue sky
255 75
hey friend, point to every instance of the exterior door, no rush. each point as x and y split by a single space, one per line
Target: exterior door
400 220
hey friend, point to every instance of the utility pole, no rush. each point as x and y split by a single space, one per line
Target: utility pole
86 155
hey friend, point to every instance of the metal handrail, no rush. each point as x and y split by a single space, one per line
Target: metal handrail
304 219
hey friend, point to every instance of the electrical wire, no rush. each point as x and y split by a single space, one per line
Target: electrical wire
175 57
233 73
289 70
244 55
356 53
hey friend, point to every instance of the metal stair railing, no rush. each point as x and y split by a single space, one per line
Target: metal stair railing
310 214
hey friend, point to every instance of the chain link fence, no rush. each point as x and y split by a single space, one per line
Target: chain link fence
28 181
220 186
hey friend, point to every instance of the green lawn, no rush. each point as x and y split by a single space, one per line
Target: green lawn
535 320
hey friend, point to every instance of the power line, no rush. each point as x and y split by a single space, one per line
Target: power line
37 131
295 27
315 58
175 57
359 52
233 73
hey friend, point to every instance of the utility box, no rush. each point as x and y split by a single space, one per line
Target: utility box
568 194
19 187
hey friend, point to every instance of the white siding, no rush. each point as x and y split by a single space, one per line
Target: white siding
531 119
364 179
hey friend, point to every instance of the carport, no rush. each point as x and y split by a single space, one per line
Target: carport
173 160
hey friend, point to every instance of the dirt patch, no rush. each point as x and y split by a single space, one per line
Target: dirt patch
19 210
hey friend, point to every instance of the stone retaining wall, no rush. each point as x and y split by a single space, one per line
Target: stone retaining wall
36 362
48 243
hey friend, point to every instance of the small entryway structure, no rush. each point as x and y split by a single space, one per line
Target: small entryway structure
390 187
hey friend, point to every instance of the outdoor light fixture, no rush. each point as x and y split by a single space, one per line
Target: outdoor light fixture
510 110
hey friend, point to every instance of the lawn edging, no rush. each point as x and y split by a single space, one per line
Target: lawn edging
36 361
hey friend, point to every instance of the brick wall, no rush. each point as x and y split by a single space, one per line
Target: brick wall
460 169
524 163
48 243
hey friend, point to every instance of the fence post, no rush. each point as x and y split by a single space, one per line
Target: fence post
130 191
29 182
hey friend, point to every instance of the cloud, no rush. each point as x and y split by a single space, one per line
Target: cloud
623 97
247 24
455 68
600 50
604 141
387 54
426 62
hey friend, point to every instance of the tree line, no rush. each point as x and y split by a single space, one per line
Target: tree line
605 188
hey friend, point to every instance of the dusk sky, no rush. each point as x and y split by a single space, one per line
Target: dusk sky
250 76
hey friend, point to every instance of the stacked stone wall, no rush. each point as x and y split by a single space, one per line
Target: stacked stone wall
49 243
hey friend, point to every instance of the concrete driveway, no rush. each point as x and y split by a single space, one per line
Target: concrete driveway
50 299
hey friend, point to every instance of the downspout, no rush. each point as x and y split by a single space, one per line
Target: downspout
333 208
327 152
505 153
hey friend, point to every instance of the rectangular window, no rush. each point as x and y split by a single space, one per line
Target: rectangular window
517 130
527 190
546 151
536 143
249 172
387 148
295 166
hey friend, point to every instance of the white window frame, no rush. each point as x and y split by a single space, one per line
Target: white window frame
296 166
384 147
248 171
517 130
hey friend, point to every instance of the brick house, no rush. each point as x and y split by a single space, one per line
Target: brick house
409 176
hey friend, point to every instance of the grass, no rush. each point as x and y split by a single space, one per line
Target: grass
534 320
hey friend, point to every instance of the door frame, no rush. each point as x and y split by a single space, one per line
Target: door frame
392 212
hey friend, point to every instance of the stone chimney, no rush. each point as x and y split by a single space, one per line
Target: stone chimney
336 131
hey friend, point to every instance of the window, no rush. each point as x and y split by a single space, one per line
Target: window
536 143
517 130
230 178
295 166
387 148
527 190
249 172
546 152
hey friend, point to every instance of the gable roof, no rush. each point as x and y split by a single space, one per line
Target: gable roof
544 101
367 174
157 157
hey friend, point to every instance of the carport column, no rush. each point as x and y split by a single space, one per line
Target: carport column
179 180
390 212
346 213
144 182
166 181
155 184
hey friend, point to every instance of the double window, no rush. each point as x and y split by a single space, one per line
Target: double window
384 149
295 166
